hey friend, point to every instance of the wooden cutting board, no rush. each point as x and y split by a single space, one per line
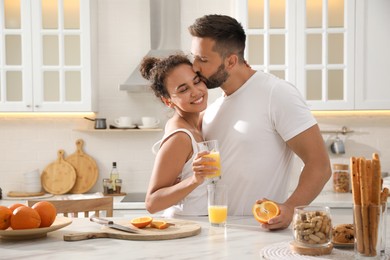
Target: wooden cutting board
86 169
181 229
24 194
59 176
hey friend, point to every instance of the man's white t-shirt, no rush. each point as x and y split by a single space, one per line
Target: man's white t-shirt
252 126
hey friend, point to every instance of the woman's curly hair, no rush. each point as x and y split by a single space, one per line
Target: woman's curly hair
157 69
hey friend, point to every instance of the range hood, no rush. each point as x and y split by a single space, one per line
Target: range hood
164 37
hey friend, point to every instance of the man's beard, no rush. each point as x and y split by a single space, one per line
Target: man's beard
217 79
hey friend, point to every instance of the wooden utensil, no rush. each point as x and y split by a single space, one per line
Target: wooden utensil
59 176
86 169
182 228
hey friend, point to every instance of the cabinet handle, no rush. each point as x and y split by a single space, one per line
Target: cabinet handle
28 106
37 106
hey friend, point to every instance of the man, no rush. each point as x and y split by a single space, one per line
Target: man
260 122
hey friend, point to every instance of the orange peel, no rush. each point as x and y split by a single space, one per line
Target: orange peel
159 224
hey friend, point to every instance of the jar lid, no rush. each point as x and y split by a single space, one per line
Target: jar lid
340 166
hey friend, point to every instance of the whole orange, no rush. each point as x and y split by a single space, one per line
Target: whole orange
5 217
15 206
25 217
47 211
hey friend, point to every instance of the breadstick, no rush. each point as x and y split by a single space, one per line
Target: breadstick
355 181
364 190
357 203
375 202
376 181
384 195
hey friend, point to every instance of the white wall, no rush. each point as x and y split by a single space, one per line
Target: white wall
27 143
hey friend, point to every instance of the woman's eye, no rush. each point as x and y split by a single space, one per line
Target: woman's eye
181 90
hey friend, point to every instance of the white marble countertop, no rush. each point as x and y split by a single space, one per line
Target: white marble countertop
241 239
326 198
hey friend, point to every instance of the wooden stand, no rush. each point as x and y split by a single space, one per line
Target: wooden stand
305 250
115 194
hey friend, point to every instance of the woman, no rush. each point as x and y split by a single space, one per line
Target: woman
173 186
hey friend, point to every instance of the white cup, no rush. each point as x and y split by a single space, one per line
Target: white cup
32 181
124 121
149 121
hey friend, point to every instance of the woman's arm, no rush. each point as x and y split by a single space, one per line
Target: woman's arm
164 190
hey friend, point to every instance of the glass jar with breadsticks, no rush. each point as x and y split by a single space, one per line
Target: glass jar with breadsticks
370 205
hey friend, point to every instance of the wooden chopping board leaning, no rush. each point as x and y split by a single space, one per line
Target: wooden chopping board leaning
59 176
86 169
369 199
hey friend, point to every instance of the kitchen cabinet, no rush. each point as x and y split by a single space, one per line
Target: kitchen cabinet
332 50
47 50
372 57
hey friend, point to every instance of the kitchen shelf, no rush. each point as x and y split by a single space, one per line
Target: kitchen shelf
118 130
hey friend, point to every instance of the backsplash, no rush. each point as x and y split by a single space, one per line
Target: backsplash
28 143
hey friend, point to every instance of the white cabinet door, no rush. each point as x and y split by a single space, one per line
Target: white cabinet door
54 72
15 56
325 53
372 54
309 43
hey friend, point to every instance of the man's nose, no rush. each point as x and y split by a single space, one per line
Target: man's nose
196 67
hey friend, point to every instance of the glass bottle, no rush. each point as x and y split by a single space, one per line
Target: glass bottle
340 178
118 185
113 176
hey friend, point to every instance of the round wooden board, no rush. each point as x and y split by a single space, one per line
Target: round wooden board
59 176
304 250
86 169
181 229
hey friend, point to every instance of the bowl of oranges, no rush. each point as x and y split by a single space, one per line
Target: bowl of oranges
20 222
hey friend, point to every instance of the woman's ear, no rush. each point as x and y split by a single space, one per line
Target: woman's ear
167 102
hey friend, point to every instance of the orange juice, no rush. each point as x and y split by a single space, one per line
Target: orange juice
217 214
217 163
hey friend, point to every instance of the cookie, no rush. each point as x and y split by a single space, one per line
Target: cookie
343 233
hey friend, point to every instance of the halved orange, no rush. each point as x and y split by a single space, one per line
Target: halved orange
265 210
159 224
141 222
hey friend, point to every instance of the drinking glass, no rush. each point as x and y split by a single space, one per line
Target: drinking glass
217 204
212 147
370 231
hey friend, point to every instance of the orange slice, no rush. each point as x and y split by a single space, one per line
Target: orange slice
265 211
159 224
141 222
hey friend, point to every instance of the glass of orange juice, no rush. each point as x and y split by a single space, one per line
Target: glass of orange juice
212 147
217 195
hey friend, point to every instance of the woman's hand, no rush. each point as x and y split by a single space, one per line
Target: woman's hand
200 168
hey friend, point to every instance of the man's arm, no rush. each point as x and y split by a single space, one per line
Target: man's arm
310 147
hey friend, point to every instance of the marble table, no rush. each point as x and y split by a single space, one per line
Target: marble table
241 239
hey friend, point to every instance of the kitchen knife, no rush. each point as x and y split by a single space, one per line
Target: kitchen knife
111 224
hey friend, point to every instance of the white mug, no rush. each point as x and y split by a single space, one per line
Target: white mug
149 121
124 121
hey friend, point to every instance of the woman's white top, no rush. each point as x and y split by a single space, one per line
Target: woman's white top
195 204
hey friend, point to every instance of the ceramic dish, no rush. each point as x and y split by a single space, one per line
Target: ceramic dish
24 234
126 127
